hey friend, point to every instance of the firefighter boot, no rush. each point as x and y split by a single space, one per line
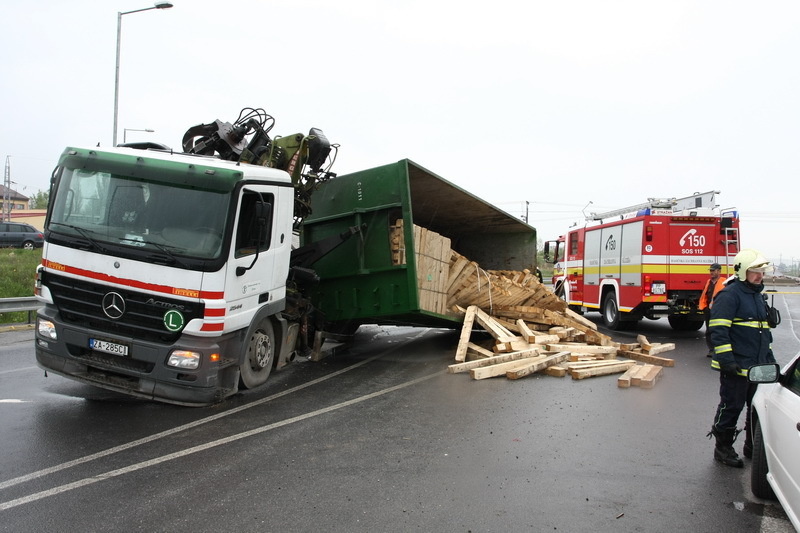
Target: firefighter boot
747 449
723 451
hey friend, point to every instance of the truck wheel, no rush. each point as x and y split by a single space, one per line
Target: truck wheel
758 473
259 358
611 317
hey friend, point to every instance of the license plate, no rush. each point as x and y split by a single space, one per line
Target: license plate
108 347
659 288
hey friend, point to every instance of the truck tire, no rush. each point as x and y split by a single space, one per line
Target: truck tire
758 473
259 357
611 314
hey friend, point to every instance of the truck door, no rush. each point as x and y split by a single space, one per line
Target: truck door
610 254
591 270
630 280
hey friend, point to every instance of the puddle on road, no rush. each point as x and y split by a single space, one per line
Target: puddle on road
761 509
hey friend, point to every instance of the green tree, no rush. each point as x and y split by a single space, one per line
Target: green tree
40 200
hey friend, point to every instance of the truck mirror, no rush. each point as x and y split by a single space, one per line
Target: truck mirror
263 212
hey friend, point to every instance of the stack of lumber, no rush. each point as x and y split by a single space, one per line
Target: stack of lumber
432 256
570 346
532 329
447 280
469 284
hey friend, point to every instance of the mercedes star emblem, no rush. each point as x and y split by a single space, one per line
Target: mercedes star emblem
113 305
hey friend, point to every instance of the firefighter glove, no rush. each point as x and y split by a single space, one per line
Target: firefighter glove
731 369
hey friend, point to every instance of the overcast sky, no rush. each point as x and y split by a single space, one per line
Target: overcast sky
556 103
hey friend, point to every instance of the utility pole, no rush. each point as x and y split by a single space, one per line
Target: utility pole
7 191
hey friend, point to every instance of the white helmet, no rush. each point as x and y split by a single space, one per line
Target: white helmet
749 259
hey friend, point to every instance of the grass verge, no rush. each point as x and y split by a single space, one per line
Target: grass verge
17 276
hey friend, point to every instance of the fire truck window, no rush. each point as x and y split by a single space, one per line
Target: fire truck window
251 233
573 244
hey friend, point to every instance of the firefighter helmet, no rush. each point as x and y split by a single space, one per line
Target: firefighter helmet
749 259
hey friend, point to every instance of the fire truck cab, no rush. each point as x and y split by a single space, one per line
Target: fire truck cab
646 261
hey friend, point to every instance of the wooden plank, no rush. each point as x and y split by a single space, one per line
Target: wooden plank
489 361
466 332
525 331
534 366
479 350
583 348
580 318
546 339
636 377
648 380
660 348
592 363
499 369
555 371
647 358
582 373
494 328
624 381
643 342
512 345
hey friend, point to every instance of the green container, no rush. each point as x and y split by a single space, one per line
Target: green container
359 282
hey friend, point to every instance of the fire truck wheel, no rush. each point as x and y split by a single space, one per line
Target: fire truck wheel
259 358
611 317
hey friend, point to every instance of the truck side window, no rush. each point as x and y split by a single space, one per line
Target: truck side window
251 234
573 244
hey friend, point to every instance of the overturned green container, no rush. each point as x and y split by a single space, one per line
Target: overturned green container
377 276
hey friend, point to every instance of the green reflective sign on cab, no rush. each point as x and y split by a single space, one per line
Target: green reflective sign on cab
173 320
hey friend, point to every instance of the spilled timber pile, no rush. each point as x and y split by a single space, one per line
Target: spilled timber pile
532 330
520 348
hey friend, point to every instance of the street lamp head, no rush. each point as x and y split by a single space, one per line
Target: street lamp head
163 5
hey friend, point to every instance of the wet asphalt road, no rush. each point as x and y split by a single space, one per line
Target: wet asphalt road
380 438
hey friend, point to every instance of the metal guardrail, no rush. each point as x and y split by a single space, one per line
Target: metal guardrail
27 304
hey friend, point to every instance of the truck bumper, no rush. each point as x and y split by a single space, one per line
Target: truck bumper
143 373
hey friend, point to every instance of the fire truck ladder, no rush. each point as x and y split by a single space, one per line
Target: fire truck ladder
696 200
731 239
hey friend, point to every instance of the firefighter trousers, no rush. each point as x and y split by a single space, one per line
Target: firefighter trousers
735 392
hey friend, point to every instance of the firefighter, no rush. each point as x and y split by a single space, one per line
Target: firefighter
714 284
741 337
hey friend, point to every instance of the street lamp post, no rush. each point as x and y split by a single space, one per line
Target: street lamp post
157 5
126 130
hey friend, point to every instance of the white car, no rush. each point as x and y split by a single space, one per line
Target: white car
776 435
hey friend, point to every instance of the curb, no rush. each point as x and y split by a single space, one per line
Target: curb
16 327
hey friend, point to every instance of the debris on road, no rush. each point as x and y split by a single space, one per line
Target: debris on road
532 330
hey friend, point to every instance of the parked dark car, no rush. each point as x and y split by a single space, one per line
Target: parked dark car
20 235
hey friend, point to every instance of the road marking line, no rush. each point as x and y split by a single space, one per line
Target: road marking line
207 446
191 425
19 369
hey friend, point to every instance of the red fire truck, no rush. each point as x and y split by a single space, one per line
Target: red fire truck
646 261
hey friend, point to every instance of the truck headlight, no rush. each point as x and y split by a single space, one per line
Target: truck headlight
184 359
46 328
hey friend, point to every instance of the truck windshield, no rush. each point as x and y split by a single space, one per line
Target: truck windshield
109 209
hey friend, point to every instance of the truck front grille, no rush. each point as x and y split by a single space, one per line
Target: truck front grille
80 302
